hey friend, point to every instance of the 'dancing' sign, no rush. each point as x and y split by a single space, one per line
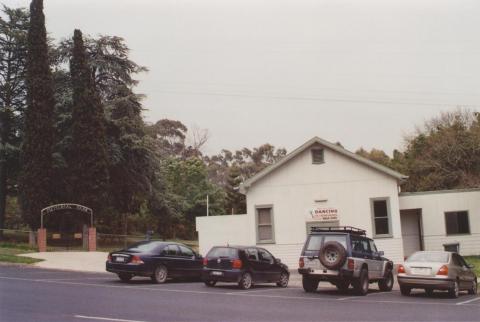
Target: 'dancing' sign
66 206
323 214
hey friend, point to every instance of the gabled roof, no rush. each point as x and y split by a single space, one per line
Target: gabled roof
316 140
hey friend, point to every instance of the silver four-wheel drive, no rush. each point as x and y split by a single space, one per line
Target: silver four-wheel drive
343 256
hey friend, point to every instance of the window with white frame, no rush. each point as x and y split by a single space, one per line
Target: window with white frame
265 225
381 217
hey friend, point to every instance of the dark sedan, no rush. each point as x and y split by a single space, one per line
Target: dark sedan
155 259
243 265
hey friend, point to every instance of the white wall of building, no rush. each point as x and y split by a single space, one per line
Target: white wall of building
344 183
434 205
221 230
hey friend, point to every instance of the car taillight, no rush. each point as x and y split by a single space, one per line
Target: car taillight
301 263
236 263
401 269
351 264
443 270
109 258
136 260
205 262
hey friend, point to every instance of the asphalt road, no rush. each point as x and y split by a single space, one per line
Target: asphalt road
33 294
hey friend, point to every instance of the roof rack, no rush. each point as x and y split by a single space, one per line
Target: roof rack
339 229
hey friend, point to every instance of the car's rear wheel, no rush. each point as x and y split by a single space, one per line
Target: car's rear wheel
453 292
210 283
405 290
309 284
284 277
160 274
361 284
246 281
386 284
125 277
473 289
342 285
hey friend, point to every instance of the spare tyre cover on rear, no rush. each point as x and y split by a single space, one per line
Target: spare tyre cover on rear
332 255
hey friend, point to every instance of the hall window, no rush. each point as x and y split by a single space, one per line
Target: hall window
381 217
457 222
317 156
264 218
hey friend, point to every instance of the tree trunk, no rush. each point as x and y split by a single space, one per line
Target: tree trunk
3 172
3 195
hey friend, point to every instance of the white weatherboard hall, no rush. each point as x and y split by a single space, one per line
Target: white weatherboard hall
322 184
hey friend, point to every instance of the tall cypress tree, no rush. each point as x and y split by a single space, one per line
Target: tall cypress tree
39 135
88 158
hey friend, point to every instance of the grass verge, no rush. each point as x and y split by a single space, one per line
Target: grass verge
9 252
474 260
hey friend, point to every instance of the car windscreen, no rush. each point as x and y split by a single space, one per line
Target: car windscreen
223 252
144 247
315 241
428 257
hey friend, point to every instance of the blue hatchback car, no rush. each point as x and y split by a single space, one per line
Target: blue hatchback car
244 265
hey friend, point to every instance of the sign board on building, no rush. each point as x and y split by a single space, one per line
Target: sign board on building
323 214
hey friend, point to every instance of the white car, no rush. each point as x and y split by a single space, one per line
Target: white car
437 270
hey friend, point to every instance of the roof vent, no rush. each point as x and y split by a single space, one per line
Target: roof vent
317 156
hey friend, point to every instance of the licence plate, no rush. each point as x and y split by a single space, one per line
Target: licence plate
421 270
120 259
217 273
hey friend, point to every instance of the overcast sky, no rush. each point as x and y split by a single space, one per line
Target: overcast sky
282 71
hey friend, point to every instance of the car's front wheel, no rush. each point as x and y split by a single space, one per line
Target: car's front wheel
160 274
246 281
405 290
386 284
283 282
453 292
473 289
362 283
125 277
210 283
309 285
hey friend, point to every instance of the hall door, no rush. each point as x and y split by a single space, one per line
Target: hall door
411 220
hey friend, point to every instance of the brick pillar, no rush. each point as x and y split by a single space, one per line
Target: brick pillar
92 239
42 239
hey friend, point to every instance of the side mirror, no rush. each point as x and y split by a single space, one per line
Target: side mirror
381 253
470 266
277 261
